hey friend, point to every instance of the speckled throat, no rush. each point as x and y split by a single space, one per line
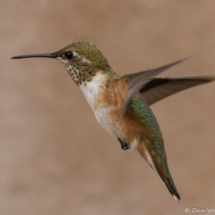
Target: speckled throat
81 71
86 61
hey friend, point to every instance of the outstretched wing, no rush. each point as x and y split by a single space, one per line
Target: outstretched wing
138 81
155 89
160 88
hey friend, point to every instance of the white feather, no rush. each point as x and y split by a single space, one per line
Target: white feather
149 159
91 91
92 88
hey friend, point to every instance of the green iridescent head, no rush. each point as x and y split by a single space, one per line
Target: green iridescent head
87 51
82 60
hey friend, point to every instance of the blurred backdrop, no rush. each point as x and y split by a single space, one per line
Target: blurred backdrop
54 156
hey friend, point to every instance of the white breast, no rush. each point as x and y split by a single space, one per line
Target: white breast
92 88
91 91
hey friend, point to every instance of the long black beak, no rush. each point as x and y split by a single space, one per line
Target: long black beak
48 55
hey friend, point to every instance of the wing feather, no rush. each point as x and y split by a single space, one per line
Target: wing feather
160 88
138 81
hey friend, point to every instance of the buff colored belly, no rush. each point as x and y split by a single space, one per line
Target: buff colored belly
106 121
117 126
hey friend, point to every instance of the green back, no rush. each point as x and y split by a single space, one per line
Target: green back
154 142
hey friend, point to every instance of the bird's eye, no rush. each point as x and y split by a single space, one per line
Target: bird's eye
69 55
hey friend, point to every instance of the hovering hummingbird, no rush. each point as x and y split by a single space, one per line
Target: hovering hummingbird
121 104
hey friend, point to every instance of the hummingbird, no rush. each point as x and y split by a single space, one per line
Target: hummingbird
121 104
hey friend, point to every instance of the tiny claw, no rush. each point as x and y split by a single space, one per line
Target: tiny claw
124 146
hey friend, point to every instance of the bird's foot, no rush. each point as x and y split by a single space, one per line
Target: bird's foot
124 146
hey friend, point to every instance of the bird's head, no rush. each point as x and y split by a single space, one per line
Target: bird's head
82 60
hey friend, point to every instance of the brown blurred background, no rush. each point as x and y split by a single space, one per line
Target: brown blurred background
54 156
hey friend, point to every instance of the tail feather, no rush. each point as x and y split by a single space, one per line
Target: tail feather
161 168
170 185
